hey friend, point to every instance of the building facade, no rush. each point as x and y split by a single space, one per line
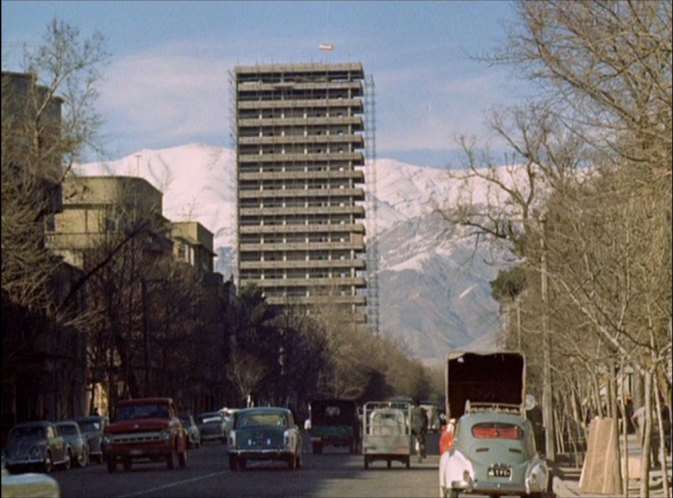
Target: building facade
300 177
96 209
43 353
193 244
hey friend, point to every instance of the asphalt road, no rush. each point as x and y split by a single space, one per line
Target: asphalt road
335 473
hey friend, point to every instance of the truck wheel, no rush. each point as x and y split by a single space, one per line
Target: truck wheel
233 463
127 464
389 463
407 463
111 464
170 460
182 459
366 463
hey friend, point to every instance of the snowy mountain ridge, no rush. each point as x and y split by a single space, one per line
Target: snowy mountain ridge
434 289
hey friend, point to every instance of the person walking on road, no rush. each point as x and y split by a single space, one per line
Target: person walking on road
419 428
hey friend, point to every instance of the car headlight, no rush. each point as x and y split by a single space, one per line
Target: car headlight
107 439
165 435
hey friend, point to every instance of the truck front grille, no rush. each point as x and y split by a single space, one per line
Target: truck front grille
136 437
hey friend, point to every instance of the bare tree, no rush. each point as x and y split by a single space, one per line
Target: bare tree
594 146
47 119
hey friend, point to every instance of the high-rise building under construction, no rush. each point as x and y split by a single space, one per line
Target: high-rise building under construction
300 151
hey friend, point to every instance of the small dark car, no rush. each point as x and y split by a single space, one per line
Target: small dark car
193 432
212 427
78 448
334 422
93 427
264 433
36 444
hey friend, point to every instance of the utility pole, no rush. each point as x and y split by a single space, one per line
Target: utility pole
547 408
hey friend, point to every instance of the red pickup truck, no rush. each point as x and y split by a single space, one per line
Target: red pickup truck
145 429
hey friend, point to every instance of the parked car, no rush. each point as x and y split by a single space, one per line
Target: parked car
193 432
212 427
29 485
229 414
36 445
92 427
78 448
493 452
264 433
145 429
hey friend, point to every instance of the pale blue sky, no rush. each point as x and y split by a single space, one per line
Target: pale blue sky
167 83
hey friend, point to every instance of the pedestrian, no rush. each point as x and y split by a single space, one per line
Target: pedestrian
638 420
419 428
629 415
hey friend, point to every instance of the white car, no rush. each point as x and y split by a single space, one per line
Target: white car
28 485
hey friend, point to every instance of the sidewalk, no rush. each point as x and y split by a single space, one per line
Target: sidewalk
566 477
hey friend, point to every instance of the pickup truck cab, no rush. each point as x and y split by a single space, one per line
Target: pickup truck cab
145 429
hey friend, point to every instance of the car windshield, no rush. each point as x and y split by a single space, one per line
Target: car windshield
68 430
29 431
261 419
497 430
131 412
332 414
90 426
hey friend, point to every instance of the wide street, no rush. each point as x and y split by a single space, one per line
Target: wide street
335 473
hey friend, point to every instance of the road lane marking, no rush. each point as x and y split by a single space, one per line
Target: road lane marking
172 485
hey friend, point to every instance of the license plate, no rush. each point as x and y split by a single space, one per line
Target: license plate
500 472
136 452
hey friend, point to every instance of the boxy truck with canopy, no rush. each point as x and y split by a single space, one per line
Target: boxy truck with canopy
489 445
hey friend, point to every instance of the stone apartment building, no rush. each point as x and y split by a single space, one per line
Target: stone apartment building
44 358
98 213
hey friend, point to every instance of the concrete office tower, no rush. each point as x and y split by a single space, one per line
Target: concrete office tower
300 165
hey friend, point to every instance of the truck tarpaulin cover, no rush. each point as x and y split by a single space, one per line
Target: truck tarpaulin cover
484 378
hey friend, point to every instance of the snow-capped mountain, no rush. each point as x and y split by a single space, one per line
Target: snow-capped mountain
434 288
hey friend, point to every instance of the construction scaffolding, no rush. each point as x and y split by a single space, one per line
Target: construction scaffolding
372 240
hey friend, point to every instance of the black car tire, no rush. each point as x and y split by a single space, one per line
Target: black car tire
366 462
82 459
47 465
127 464
68 460
111 464
233 462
